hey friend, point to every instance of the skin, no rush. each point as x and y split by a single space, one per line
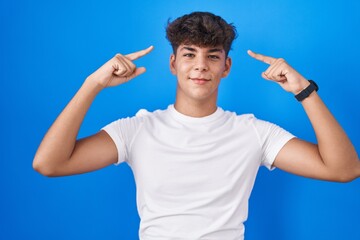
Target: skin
199 71
334 157
59 153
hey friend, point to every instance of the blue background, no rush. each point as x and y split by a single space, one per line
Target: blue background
48 48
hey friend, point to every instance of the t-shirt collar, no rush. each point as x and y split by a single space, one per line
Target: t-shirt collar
184 118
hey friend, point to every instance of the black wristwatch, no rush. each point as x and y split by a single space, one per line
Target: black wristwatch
307 91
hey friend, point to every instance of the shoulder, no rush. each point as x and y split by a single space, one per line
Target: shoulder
144 113
250 122
131 122
245 118
251 119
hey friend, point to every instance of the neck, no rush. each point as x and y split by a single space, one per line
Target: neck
195 108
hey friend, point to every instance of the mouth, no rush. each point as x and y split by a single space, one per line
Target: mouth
200 81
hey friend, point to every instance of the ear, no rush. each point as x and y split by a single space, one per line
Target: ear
172 64
228 63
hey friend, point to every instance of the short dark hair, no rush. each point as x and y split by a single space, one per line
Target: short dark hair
203 29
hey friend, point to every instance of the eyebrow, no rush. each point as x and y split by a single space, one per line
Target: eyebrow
212 50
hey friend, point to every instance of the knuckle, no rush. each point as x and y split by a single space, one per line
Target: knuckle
281 60
118 56
132 67
121 71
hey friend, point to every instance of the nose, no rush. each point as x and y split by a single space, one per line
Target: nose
201 64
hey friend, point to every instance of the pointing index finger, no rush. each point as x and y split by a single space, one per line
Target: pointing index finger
262 58
139 54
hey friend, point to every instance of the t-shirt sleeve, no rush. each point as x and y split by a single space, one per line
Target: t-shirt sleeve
122 132
272 138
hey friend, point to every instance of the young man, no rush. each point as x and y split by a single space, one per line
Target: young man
195 164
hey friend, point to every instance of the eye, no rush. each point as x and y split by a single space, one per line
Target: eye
190 55
214 57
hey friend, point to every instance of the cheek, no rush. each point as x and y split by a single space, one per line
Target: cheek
220 71
182 69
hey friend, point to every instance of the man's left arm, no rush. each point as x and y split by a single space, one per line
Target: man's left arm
334 157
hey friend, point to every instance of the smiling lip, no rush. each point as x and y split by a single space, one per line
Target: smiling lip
200 81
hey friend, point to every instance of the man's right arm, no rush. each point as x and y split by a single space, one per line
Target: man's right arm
59 153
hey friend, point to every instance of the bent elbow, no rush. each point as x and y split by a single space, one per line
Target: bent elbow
347 177
42 168
345 173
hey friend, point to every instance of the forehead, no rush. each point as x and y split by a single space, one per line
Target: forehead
195 48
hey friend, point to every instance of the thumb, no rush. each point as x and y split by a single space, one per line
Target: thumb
138 71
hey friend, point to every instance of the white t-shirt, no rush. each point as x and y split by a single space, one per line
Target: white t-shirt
194 176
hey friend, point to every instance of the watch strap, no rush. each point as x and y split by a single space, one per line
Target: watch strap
307 91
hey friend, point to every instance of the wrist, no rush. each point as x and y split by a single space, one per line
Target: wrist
304 93
92 85
301 86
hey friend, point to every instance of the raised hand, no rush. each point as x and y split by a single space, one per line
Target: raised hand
281 72
119 69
